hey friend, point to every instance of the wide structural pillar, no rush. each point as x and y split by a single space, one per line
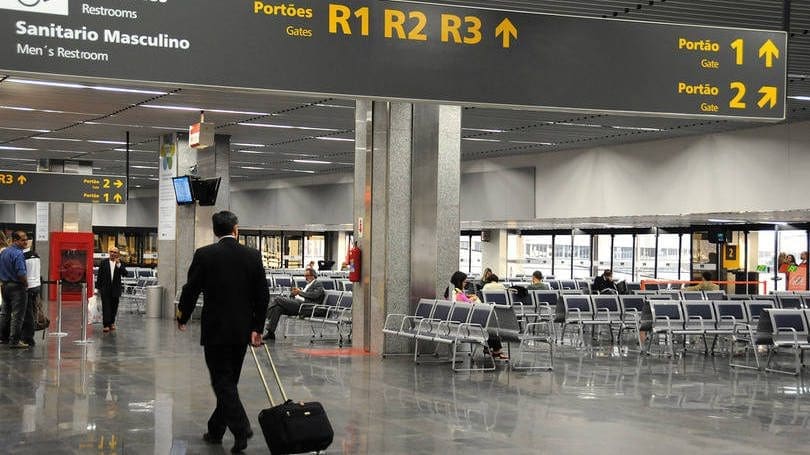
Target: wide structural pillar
183 229
407 175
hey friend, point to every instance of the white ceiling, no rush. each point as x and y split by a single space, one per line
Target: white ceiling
80 122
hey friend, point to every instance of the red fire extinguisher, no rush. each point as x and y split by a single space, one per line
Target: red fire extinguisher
355 262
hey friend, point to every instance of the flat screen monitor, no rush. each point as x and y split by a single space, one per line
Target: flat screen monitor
182 190
205 190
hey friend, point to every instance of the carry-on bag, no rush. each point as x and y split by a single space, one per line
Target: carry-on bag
292 427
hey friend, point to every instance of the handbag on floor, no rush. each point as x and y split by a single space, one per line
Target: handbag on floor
292 427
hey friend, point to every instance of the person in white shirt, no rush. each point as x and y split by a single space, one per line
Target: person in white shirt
493 284
32 267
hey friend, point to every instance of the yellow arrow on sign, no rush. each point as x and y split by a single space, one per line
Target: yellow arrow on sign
508 30
769 51
117 197
768 96
113 442
118 183
22 179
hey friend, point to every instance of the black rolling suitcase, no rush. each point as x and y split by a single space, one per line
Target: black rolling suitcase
292 427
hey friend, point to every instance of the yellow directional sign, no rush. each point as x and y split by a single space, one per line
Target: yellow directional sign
507 30
769 51
51 187
769 96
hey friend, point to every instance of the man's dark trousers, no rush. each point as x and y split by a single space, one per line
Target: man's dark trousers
109 308
225 365
15 299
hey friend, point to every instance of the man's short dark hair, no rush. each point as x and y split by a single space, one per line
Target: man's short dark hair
17 235
310 271
538 274
707 276
224 222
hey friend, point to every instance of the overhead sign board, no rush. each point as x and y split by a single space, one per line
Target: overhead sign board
49 187
411 51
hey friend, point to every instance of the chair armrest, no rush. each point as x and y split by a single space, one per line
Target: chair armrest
665 318
699 318
606 311
790 330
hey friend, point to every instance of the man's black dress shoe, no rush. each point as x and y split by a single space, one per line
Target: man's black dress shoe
211 440
240 444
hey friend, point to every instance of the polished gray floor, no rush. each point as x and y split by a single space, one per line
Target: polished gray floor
144 389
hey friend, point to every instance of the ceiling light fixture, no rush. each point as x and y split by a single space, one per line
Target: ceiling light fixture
478 139
66 139
108 142
532 143
24 129
287 127
339 139
198 109
800 98
635 128
483 130
312 162
9 147
299 170
243 144
81 86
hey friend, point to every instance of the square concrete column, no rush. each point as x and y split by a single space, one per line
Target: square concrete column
407 176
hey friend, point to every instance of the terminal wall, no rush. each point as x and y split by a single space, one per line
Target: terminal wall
294 205
758 169
499 194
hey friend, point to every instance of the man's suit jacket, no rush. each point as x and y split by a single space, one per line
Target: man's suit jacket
109 285
235 295
315 294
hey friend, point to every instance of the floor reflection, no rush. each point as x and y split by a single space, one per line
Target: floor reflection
144 389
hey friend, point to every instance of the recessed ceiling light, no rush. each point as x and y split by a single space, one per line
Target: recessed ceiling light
312 161
478 139
800 98
288 127
299 170
252 168
532 143
142 167
253 152
24 129
9 147
587 125
483 130
47 111
109 142
81 86
67 139
337 106
242 144
198 109
635 128
340 139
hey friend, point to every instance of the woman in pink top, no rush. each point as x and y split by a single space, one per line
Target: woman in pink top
459 282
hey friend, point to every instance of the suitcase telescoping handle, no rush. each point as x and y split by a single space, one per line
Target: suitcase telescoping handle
275 374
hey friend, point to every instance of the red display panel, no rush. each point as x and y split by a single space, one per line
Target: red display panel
72 262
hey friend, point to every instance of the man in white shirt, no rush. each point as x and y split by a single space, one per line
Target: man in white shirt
32 267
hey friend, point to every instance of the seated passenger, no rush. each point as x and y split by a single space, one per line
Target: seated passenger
458 281
493 284
537 282
604 281
300 302
705 285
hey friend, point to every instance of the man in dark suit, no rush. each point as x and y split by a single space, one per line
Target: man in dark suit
235 295
299 299
108 287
